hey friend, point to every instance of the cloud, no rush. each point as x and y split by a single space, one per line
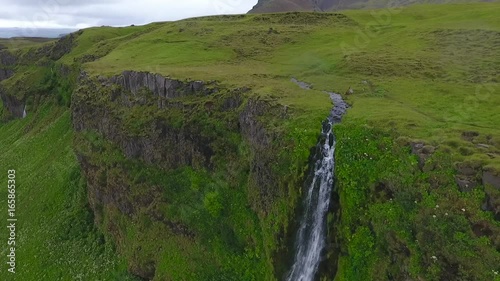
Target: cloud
77 13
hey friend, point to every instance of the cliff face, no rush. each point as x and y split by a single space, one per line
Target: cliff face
7 63
159 143
14 106
137 132
34 83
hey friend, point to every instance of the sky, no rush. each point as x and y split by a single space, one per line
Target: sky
78 14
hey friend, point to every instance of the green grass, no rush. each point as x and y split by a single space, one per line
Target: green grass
98 40
432 69
426 72
419 219
56 238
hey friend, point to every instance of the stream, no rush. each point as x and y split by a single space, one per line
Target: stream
311 235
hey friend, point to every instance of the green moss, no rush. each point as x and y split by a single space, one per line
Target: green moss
393 211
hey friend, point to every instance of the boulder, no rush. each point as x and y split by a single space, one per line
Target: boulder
466 183
489 178
15 106
422 151
492 203
467 177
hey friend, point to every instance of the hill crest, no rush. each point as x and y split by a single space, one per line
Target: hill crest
274 6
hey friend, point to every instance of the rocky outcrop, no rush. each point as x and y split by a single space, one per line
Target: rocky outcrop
261 175
63 46
162 86
6 74
48 52
422 151
492 202
7 62
489 178
6 58
491 182
466 177
161 143
12 104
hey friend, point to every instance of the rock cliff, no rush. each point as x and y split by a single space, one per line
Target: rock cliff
12 104
33 84
138 120
7 63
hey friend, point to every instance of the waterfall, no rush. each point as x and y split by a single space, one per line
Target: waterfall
311 236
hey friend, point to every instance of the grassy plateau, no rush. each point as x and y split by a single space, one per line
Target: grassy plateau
426 74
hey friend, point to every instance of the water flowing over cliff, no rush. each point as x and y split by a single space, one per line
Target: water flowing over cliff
311 236
182 150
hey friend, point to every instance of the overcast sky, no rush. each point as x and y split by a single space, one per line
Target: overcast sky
85 13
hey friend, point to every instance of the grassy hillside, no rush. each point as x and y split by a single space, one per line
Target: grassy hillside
56 237
435 68
425 74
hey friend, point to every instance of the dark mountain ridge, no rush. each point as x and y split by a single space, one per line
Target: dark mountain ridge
273 6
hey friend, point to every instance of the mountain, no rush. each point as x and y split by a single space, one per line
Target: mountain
274 6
